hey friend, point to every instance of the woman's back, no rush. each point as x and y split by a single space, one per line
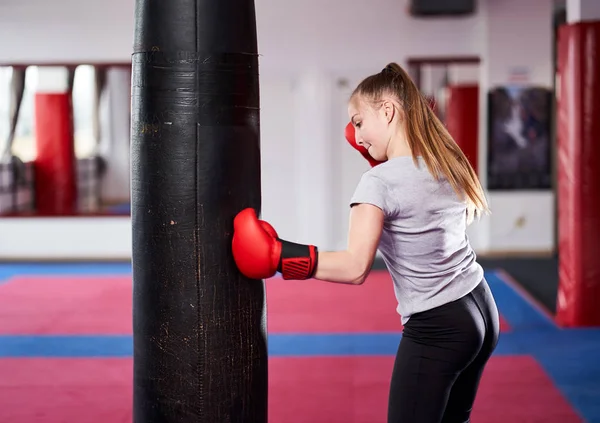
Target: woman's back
424 242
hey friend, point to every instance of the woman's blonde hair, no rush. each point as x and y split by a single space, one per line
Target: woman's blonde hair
426 135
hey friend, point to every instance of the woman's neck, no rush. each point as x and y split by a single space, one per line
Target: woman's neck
398 146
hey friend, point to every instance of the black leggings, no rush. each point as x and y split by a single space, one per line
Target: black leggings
440 360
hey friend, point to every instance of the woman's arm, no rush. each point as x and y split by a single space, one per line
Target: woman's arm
352 265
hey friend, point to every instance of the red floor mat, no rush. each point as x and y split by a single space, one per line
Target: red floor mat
68 305
353 389
315 390
66 390
320 307
74 305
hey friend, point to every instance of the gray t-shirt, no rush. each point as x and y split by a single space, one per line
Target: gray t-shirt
424 242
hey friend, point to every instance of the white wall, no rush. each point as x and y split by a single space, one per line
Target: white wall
292 35
297 59
301 34
72 238
277 161
517 35
66 31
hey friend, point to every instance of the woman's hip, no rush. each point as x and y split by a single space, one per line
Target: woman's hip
465 322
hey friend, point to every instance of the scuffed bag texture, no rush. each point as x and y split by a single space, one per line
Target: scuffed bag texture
578 127
200 352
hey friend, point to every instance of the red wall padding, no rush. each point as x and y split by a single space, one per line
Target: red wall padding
462 118
55 182
578 134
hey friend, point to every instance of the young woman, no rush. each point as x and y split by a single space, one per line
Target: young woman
414 206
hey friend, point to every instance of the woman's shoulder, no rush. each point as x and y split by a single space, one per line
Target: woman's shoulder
400 170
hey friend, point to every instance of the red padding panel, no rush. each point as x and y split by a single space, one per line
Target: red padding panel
578 128
55 181
462 117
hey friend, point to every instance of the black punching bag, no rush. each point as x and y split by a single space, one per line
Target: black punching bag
199 326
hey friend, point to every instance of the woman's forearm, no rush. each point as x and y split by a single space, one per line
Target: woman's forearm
341 267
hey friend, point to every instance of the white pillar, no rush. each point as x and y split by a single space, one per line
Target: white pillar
479 231
583 10
115 141
312 163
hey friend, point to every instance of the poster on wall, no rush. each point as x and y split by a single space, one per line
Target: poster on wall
519 150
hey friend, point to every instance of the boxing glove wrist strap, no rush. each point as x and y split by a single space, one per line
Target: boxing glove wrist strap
297 261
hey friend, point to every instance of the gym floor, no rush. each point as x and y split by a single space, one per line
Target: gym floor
66 351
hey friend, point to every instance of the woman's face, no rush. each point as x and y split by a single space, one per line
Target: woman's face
372 129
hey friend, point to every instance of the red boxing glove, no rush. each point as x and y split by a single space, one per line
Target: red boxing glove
259 253
351 138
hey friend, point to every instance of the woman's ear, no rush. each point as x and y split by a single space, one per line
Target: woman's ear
389 110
